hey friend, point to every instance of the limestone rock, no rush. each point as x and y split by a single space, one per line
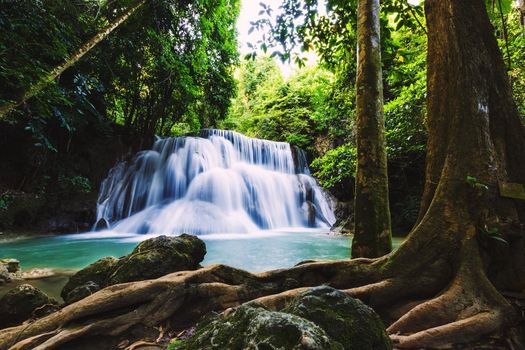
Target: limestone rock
20 303
159 256
82 291
5 276
320 318
345 319
151 259
12 265
250 327
97 273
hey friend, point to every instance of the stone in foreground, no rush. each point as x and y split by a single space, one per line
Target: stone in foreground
253 327
322 318
21 303
346 320
151 259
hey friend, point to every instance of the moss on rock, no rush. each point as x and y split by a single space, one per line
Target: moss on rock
344 319
320 318
250 327
97 273
151 259
159 256
20 303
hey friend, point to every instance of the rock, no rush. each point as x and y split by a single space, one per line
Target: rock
12 265
101 225
82 291
151 259
19 304
5 276
159 256
252 327
320 318
37 273
346 320
97 273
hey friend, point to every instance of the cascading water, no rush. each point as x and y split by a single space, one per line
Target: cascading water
221 182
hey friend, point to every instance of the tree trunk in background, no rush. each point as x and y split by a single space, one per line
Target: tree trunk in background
72 59
372 236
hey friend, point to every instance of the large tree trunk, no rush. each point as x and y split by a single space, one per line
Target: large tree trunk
372 233
442 286
71 60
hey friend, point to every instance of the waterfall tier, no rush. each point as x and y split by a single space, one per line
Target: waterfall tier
221 182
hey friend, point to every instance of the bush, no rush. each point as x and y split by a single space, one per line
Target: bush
74 184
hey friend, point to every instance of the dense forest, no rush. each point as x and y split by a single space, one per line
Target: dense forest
411 120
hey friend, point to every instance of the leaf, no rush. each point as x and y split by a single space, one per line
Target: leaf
499 239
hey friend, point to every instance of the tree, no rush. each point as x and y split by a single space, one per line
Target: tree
445 281
72 59
372 233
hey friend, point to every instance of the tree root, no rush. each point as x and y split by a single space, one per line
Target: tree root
466 309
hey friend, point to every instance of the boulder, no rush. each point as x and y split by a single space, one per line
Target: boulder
151 259
82 291
12 265
320 318
5 276
159 256
21 303
346 320
97 273
252 327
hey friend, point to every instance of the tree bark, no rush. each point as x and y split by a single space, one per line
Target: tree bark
71 60
372 234
442 286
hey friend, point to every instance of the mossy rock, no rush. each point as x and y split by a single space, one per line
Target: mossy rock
345 319
20 303
159 256
82 291
252 327
151 259
97 273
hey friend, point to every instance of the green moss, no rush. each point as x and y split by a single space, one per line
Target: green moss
253 327
344 319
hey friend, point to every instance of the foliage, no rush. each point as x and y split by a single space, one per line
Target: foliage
5 200
335 167
170 63
74 184
295 110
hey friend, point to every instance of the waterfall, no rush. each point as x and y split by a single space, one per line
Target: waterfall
220 182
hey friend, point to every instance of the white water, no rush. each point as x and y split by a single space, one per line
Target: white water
222 182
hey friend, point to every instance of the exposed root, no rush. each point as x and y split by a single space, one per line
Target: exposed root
466 309
462 331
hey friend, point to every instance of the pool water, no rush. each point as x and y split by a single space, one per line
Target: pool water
255 252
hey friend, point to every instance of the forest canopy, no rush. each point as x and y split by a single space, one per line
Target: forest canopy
166 70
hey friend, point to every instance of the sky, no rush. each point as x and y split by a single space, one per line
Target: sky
250 12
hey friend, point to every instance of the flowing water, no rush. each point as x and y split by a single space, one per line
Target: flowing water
222 182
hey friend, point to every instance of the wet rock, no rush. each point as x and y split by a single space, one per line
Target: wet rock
320 318
19 304
82 291
101 225
37 273
97 273
5 276
253 327
159 256
151 259
346 320
12 265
